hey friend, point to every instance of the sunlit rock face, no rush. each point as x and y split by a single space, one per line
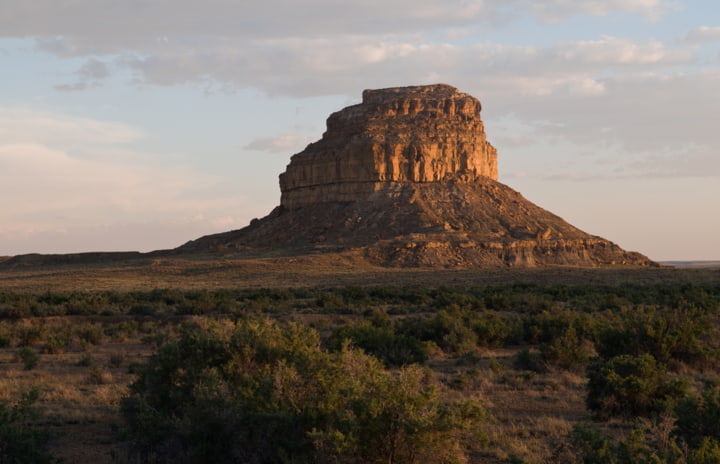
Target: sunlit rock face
415 134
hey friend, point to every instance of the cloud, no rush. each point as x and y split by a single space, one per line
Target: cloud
694 161
89 75
702 34
638 95
691 162
326 47
63 176
293 66
637 113
556 10
284 143
93 69
20 125
74 87
118 26
44 181
619 51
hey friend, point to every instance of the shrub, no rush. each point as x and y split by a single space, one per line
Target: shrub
59 341
116 359
527 360
29 334
29 357
587 445
382 342
699 417
459 330
20 441
6 334
98 376
668 335
631 386
567 351
707 453
90 334
260 392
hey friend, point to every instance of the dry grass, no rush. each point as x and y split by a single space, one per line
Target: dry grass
79 402
220 271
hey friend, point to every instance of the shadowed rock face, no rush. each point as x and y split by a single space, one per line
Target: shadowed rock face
407 178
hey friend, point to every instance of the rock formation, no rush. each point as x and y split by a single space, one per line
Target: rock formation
407 178
399 135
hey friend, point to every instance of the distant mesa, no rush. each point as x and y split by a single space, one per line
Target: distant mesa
408 178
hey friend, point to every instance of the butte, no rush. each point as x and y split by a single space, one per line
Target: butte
408 178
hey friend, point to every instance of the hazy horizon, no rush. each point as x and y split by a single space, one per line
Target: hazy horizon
137 128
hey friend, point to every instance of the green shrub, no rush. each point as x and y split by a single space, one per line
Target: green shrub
699 417
707 453
671 334
86 360
98 376
90 334
586 445
382 342
29 357
567 351
58 341
30 334
116 359
20 441
261 392
631 386
5 335
459 330
527 360
143 309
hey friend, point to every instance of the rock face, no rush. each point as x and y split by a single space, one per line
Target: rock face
407 178
399 135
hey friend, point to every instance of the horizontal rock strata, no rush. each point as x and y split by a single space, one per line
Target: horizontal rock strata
408 134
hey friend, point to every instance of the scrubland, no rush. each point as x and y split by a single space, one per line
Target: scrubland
598 368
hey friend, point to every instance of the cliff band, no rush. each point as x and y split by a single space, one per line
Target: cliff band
399 135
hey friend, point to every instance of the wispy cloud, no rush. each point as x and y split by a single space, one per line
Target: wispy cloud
284 143
116 26
63 172
702 34
27 125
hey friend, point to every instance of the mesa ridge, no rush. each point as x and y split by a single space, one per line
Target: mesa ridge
406 134
408 178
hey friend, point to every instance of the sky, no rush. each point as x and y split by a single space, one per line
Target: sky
142 124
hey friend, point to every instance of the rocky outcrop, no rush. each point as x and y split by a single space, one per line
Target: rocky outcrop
399 135
407 178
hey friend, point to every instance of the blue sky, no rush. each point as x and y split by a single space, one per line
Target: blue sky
141 125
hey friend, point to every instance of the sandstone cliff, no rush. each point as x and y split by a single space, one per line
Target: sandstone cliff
407 134
407 178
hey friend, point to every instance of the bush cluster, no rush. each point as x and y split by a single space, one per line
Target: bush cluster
258 391
21 441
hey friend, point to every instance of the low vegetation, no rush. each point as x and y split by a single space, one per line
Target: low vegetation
514 373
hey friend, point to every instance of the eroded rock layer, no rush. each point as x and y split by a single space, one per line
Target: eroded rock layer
407 178
407 134
445 224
